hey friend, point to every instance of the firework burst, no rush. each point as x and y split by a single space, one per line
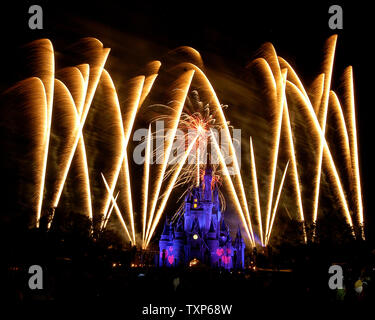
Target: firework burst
65 133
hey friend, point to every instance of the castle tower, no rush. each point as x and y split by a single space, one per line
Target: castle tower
199 203
179 243
208 181
201 232
239 251
207 203
216 209
213 244
165 245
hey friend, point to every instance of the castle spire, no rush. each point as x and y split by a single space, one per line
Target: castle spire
239 236
166 227
165 236
212 229
238 241
208 170
223 227
208 180
212 235
180 225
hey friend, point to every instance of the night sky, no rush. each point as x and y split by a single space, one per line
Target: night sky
228 33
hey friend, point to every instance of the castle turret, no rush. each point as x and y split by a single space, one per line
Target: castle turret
179 242
207 203
165 236
212 232
179 231
208 181
165 244
223 231
213 243
239 251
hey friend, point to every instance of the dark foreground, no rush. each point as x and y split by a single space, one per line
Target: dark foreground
77 270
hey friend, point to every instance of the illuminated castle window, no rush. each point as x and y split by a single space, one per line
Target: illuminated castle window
193 262
195 205
195 237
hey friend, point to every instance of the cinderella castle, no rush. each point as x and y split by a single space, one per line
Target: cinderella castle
200 234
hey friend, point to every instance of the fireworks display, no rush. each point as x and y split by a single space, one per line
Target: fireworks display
81 137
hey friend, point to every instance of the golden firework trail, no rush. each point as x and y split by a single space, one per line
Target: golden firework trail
207 87
237 175
43 49
198 121
318 86
34 107
322 117
317 92
76 79
232 189
268 78
142 87
269 54
128 192
95 75
198 165
331 167
293 160
108 83
292 75
276 205
169 189
124 135
71 95
270 83
117 209
352 132
65 104
280 102
199 124
81 94
145 185
153 68
106 219
81 153
183 85
254 180
342 131
81 150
